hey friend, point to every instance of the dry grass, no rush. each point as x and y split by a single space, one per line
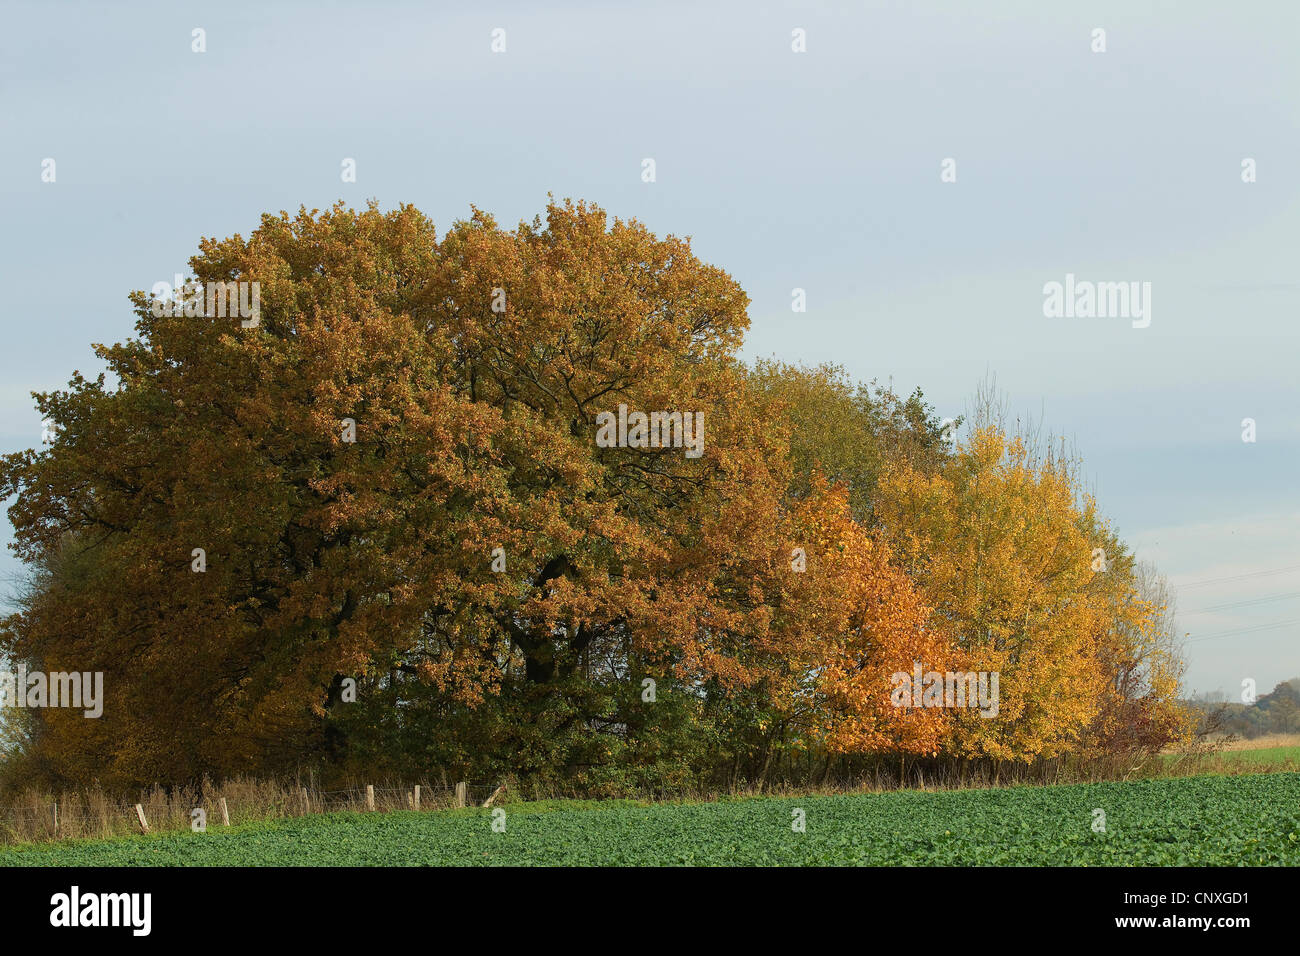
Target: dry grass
1267 742
29 817
91 813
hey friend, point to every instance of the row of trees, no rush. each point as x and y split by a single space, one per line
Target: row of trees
475 585
1277 712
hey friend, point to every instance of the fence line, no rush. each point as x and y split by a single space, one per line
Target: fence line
57 818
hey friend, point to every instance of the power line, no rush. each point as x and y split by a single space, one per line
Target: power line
1244 630
1236 577
1247 603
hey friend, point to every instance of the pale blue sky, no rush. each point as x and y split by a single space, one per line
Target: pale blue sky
817 170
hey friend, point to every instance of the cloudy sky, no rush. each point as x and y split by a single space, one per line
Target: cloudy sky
818 170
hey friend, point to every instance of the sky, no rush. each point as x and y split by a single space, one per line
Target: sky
820 170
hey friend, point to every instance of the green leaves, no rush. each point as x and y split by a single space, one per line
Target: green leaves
1204 821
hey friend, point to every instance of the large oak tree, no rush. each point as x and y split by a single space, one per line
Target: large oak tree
473 543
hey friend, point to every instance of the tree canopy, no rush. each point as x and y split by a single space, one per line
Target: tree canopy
394 480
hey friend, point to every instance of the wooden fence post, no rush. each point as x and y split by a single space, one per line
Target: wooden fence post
306 802
415 798
144 824
462 794
56 818
225 813
370 796
495 793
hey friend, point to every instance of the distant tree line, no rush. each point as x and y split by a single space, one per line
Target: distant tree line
1277 712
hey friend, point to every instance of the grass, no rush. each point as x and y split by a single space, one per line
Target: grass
1270 749
1206 820
1265 742
93 813
1271 755
1268 752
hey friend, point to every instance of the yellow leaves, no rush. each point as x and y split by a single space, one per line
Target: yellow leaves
475 430
1001 550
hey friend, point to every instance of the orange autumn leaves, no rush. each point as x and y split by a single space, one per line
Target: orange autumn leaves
474 367
1001 543
982 564
855 620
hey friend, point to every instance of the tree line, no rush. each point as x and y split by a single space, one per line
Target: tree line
467 580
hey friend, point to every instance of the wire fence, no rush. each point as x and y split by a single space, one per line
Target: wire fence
74 815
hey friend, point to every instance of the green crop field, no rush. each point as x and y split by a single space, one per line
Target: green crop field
1260 757
1210 820
1264 755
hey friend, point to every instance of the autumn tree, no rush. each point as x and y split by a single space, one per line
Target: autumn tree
1029 581
387 525
380 509
848 433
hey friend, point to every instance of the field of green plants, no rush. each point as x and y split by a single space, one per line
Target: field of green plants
1209 820
1268 755
1243 758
